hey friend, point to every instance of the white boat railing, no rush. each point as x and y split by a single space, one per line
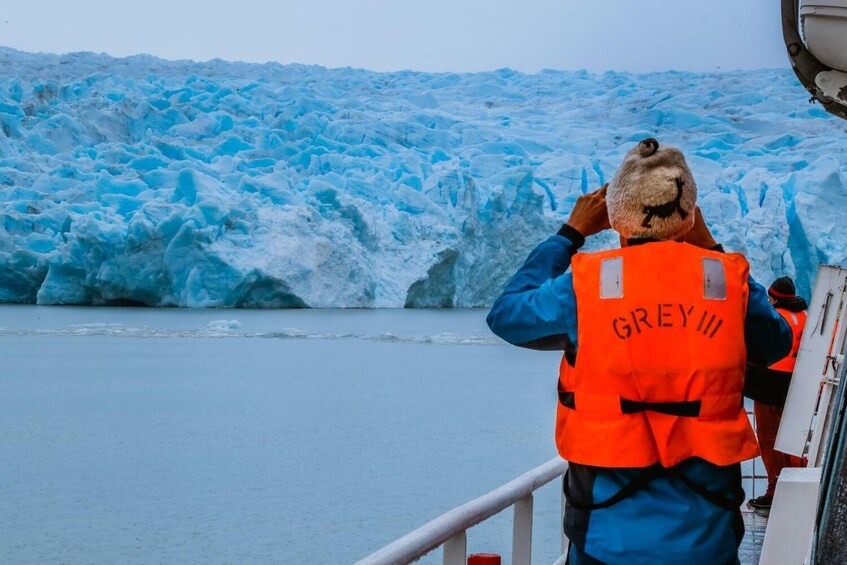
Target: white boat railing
450 529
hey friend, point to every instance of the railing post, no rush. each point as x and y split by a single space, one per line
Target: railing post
456 549
566 544
522 532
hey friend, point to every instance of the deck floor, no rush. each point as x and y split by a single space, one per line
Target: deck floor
754 535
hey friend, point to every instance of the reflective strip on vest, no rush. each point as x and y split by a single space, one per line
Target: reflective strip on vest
714 279
611 278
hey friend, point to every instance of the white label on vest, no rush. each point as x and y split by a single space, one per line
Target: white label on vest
714 279
611 278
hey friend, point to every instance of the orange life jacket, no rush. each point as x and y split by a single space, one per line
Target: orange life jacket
661 359
797 321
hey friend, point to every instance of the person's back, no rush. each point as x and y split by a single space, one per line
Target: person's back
650 415
660 368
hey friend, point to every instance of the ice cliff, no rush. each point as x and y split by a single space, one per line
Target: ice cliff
142 181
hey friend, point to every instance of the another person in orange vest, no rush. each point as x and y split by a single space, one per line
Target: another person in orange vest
656 336
768 387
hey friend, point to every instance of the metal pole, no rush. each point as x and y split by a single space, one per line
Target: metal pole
522 532
456 549
566 543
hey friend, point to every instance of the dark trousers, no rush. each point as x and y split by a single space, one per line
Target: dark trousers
768 418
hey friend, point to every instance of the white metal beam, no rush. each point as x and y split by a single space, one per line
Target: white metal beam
456 549
522 532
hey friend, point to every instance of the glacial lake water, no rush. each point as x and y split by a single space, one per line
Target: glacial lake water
261 436
257 436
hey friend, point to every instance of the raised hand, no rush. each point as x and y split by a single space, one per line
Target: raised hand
589 214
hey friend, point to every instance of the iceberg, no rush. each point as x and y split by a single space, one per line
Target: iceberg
140 181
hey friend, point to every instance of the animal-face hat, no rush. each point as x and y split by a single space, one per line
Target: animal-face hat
653 194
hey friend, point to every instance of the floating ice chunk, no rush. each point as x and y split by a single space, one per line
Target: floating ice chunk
224 325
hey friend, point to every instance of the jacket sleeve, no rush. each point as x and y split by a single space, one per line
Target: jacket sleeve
538 307
767 335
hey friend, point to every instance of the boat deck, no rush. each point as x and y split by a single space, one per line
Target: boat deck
754 535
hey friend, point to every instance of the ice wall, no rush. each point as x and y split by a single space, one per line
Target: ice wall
142 181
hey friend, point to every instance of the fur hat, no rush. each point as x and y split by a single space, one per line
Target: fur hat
653 193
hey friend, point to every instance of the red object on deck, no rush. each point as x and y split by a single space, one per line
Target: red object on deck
484 559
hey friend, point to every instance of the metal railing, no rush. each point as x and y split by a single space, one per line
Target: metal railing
754 476
450 529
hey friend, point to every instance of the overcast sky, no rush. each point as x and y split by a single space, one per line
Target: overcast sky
426 35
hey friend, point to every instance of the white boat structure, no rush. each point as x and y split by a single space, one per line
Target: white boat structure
815 35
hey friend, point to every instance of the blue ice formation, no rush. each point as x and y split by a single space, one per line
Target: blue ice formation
143 181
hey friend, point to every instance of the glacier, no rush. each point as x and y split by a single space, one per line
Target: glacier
140 181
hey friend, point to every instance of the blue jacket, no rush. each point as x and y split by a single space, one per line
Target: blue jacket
665 522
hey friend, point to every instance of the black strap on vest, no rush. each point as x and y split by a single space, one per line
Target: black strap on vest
641 480
566 399
687 409
684 409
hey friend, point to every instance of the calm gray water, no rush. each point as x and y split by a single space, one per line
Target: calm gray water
221 436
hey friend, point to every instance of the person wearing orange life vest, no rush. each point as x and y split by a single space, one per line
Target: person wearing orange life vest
768 387
655 336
